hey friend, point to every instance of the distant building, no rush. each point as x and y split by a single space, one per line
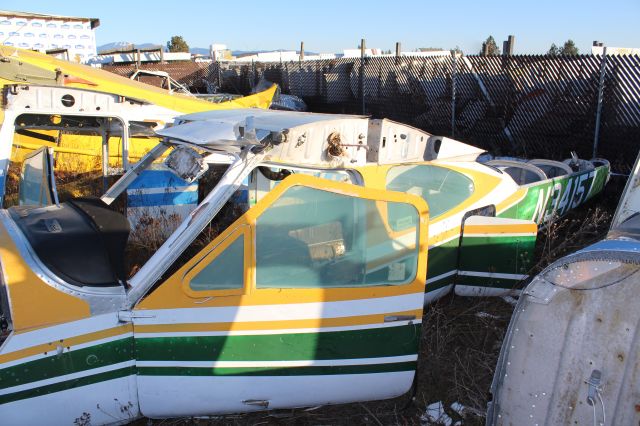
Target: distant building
278 56
355 53
219 52
275 56
70 36
131 54
599 50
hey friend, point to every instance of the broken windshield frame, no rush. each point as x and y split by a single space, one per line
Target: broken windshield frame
241 165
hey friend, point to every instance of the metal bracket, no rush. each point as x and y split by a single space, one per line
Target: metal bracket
541 291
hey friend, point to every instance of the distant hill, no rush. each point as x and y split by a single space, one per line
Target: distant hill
124 45
199 51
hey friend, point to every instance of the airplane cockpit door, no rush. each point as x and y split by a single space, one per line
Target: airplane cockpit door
495 255
312 297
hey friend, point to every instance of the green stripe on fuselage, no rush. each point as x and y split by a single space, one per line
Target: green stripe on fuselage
279 371
72 361
67 384
367 343
511 254
440 260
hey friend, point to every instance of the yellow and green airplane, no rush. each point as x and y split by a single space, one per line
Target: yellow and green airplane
296 274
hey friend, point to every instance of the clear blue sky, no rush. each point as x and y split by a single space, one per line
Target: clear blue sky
331 25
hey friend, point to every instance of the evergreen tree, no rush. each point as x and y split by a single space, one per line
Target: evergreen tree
569 48
177 44
489 47
553 50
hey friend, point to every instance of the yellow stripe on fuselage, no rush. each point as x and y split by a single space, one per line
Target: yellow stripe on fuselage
512 200
46 348
272 325
520 228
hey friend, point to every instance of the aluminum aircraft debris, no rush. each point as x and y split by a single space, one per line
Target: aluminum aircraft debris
311 293
571 354
280 101
168 82
23 69
19 66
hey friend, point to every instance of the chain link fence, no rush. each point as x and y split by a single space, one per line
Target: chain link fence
194 75
531 105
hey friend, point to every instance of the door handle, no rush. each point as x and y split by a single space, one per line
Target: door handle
258 402
394 318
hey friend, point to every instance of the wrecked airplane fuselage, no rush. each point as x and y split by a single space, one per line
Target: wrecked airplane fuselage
286 306
297 278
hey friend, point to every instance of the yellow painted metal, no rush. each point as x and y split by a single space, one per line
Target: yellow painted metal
86 77
34 304
81 153
72 341
520 227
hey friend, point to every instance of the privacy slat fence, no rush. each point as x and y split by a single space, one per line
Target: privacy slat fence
524 105
513 105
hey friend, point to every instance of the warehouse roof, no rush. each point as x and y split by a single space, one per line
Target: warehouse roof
95 22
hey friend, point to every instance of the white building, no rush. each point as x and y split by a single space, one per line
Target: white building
50 32
599 50
355 53
280 56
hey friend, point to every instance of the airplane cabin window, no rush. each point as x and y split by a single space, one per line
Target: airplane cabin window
441 188
226 271
310 238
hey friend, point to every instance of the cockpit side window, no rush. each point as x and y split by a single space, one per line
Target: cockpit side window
259 183
441 188
37 184
310 238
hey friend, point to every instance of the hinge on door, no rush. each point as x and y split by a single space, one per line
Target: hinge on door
128 316
394 318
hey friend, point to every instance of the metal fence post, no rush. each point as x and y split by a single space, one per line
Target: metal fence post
362 52
453 94
603 72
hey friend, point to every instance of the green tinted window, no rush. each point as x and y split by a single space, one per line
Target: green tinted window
441 188
225 272
313 238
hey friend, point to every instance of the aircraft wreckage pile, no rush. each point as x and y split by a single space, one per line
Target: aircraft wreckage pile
291 258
